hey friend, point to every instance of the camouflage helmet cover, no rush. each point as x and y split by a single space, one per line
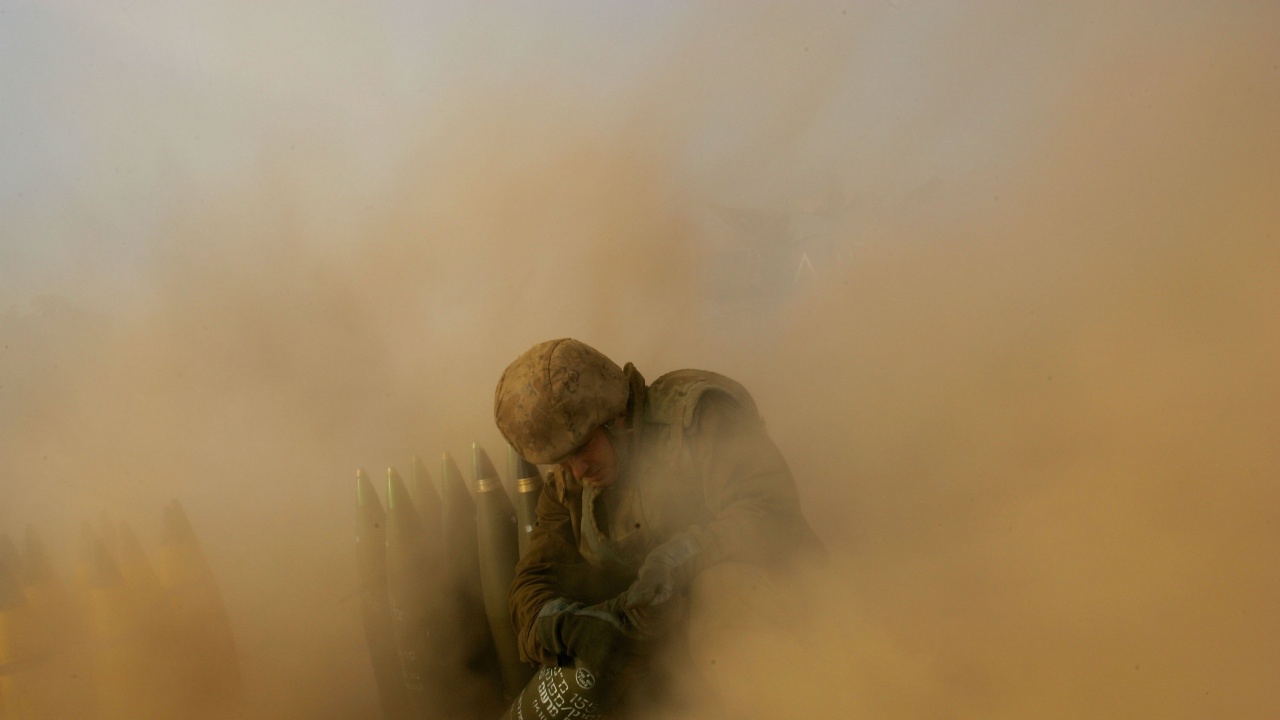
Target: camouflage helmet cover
554 395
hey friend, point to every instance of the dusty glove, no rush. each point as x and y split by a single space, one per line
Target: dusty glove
651 622
594 635
667 568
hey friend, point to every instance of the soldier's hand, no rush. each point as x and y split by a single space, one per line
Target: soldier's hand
654 585
666 569
600 645
653 622
596 635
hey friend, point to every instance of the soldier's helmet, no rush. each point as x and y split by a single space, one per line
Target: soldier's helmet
554 396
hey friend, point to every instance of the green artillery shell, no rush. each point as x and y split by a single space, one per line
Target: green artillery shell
162 672
411 568
60 684
209 667
528 490
141 577
480 686
19 647
375 604
563 693
121 656
48 596
499 551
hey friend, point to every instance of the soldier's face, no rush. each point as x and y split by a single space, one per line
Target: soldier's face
599 460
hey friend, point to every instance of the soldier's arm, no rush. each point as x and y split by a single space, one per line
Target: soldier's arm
551 545
748 488
551 569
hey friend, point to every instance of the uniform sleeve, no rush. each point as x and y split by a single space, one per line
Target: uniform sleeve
551 568
748 488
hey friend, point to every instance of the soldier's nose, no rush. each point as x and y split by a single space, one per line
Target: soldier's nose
578 466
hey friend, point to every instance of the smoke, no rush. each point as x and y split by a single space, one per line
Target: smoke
1002 281
1049 392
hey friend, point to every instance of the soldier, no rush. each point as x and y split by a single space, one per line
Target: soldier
653 486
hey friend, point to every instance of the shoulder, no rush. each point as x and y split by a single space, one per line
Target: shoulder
682 397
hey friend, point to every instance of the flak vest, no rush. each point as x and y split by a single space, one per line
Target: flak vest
662 492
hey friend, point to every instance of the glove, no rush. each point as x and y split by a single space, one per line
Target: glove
668 567
651 622
594 635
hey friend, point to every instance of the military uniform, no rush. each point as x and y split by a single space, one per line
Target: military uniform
701 464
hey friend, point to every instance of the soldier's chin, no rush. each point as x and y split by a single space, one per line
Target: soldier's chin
597 482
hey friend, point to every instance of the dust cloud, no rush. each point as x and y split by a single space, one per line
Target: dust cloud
1002 281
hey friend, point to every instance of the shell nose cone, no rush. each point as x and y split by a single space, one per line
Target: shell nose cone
481 466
